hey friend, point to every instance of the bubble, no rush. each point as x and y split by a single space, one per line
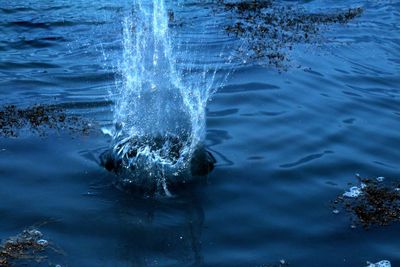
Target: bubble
335 211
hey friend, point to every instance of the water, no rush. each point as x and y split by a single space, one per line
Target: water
286 142
160 100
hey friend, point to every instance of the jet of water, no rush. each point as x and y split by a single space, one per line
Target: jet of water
160 101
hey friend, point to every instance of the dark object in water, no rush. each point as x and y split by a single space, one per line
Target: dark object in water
269 29
26 247
202 162
39 118
131 173
377 204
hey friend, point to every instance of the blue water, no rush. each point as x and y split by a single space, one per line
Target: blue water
286 142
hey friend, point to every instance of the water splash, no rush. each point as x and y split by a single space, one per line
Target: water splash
160 101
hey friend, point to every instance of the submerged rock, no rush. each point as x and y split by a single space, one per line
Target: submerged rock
153 163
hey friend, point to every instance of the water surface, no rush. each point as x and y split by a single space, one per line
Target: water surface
286 142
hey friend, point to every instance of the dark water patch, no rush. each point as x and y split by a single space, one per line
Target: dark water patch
223 113
27 24
237 88
306 159
394 93
255 158
263 113
272 113
87 77
384 164
313 72
111 8
270 29
374 203
54 8
9 65
66 23
39 119
27 83
28 248
352 94
15 10
48 25
42 42
349 121
217 136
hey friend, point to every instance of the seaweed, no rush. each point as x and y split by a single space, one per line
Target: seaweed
377 204
40 118
270 29
29 246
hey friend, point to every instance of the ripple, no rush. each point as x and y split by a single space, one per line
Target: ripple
238 88
48 25
15 10
8 65
43 42
264 113
306 159
223 113
349 121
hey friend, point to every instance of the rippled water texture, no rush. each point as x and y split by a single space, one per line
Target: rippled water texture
288 138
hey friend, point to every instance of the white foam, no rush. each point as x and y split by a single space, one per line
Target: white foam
380 178
383 263
353 192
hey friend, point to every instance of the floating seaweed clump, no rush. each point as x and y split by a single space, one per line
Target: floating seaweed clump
269 29
27 247
38 119
374 202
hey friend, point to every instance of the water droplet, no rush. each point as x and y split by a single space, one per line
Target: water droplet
335 211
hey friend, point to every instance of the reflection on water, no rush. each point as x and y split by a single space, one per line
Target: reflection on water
149 231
